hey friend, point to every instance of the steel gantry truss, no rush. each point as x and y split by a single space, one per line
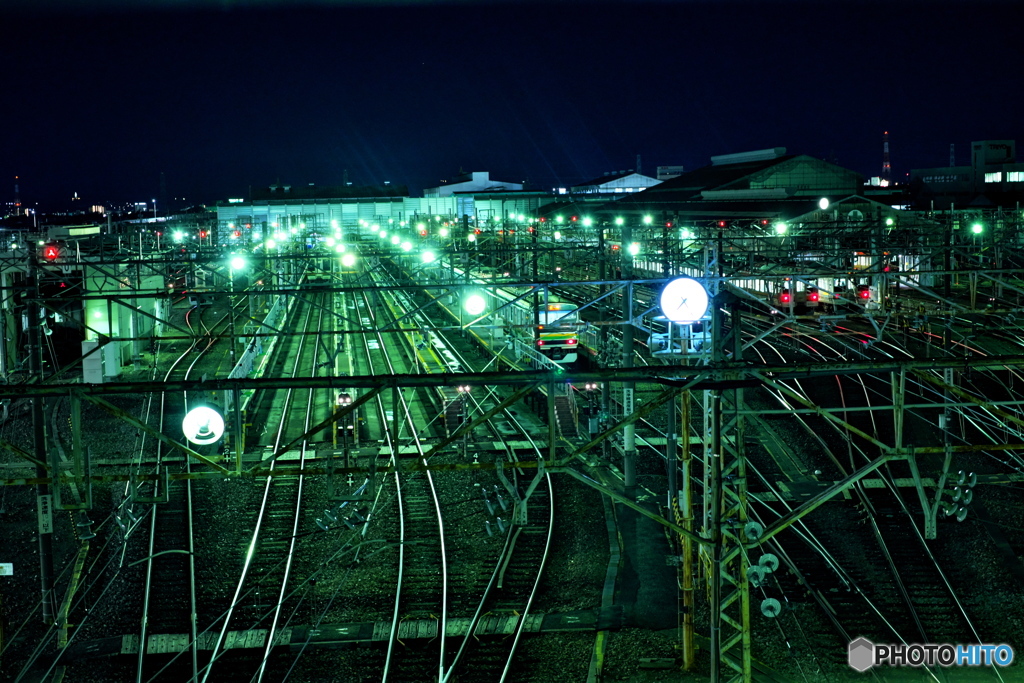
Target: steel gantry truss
952 285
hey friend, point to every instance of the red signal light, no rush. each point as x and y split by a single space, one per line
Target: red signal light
543 219
721 224
51 252
423 233
477 231
668 224
764 221
202 234
237 233
573 219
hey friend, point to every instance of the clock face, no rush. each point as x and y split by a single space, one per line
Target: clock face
684 300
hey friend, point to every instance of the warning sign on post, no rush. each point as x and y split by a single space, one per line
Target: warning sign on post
45 514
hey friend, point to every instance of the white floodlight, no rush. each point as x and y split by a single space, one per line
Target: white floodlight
475 304
203 425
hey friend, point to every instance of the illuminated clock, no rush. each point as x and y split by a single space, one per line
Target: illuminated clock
684 300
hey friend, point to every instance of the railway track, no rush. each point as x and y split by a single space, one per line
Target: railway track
262 590
510 591
168 634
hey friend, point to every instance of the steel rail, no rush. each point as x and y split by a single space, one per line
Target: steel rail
283 593
155 512
505 555
443 625
261 515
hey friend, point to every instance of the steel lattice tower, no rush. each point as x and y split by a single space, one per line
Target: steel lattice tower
886 166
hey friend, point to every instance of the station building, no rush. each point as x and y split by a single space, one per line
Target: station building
764 184
621 182
993 178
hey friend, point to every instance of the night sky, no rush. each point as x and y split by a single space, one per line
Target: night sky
221 96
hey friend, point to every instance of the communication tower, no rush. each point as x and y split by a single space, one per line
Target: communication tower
886 166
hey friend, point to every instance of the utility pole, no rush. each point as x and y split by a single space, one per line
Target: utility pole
730 588
629 431
44 497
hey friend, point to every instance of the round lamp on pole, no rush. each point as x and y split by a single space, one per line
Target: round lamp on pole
203 425
475 304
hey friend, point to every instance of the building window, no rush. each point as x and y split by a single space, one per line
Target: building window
996 177
1015 176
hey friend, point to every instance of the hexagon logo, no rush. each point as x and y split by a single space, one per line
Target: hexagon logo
862 654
